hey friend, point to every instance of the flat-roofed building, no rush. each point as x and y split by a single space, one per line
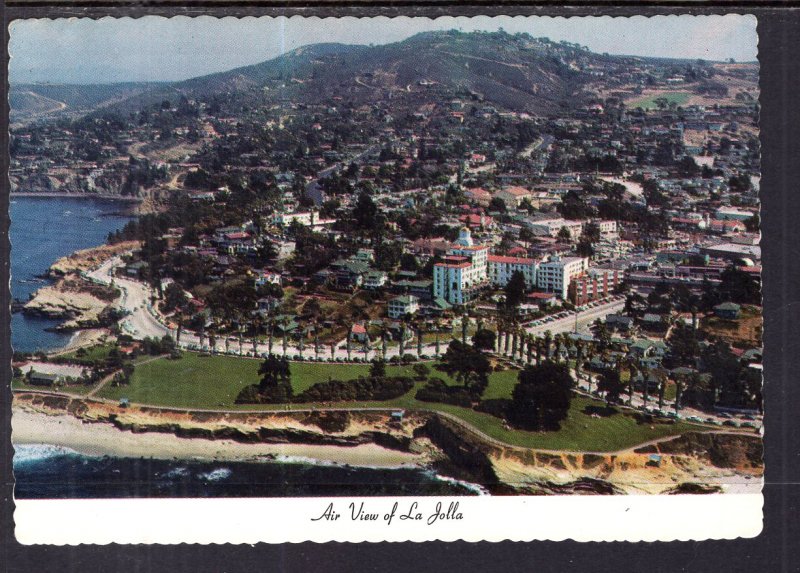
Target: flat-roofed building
402 305
501 269
556 274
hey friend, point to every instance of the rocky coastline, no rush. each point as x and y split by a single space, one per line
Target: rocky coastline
73 299
693 463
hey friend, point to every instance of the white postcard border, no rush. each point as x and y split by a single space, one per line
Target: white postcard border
294 520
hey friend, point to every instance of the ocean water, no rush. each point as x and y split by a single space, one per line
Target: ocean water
53 472
44 229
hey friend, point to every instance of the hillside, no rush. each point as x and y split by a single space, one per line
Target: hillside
31 101
510 71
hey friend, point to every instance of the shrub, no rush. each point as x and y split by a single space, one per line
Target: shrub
436 390
360 389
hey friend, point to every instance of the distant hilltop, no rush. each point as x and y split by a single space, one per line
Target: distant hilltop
511 71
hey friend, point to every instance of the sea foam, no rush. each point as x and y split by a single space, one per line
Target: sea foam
24 453
216 475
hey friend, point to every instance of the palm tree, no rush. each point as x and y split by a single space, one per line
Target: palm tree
301 344
646 374
201 335
384 342
212 341
678 393
349 346
578 358
270 341
402 338
662 387
419 340
514 344
285 334
529 347
316 341
548 340
633 369
178 332
561 344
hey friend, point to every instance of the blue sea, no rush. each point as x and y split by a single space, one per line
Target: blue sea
44 229
54 472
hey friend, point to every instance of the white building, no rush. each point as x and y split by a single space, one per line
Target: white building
305 218
463 272
732 214
553 226
375 280
608 230
400 306
556 274
266 277
501 268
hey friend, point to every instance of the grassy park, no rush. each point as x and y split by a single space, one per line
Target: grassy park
650 101
212 382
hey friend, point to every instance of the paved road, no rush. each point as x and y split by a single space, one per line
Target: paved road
585 319
141 322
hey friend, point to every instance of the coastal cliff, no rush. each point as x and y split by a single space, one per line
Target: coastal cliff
430 440
77 301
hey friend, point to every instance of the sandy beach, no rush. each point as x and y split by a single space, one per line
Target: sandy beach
103 439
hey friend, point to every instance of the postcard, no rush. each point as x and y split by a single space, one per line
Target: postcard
291 278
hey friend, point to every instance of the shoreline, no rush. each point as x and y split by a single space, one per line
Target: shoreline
101 439
66 195
429 444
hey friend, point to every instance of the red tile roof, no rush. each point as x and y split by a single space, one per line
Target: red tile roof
510 260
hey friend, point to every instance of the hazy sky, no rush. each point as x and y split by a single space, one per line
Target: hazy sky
155 48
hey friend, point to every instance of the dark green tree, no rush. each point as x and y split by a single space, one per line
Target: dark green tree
484 339
541 399
467 365
515 290
611 384
275 379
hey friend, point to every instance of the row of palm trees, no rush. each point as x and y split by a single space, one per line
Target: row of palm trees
524 347
211 336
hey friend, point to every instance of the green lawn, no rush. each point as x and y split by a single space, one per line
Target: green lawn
90 354
501 384
76 389
649 102
195 381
